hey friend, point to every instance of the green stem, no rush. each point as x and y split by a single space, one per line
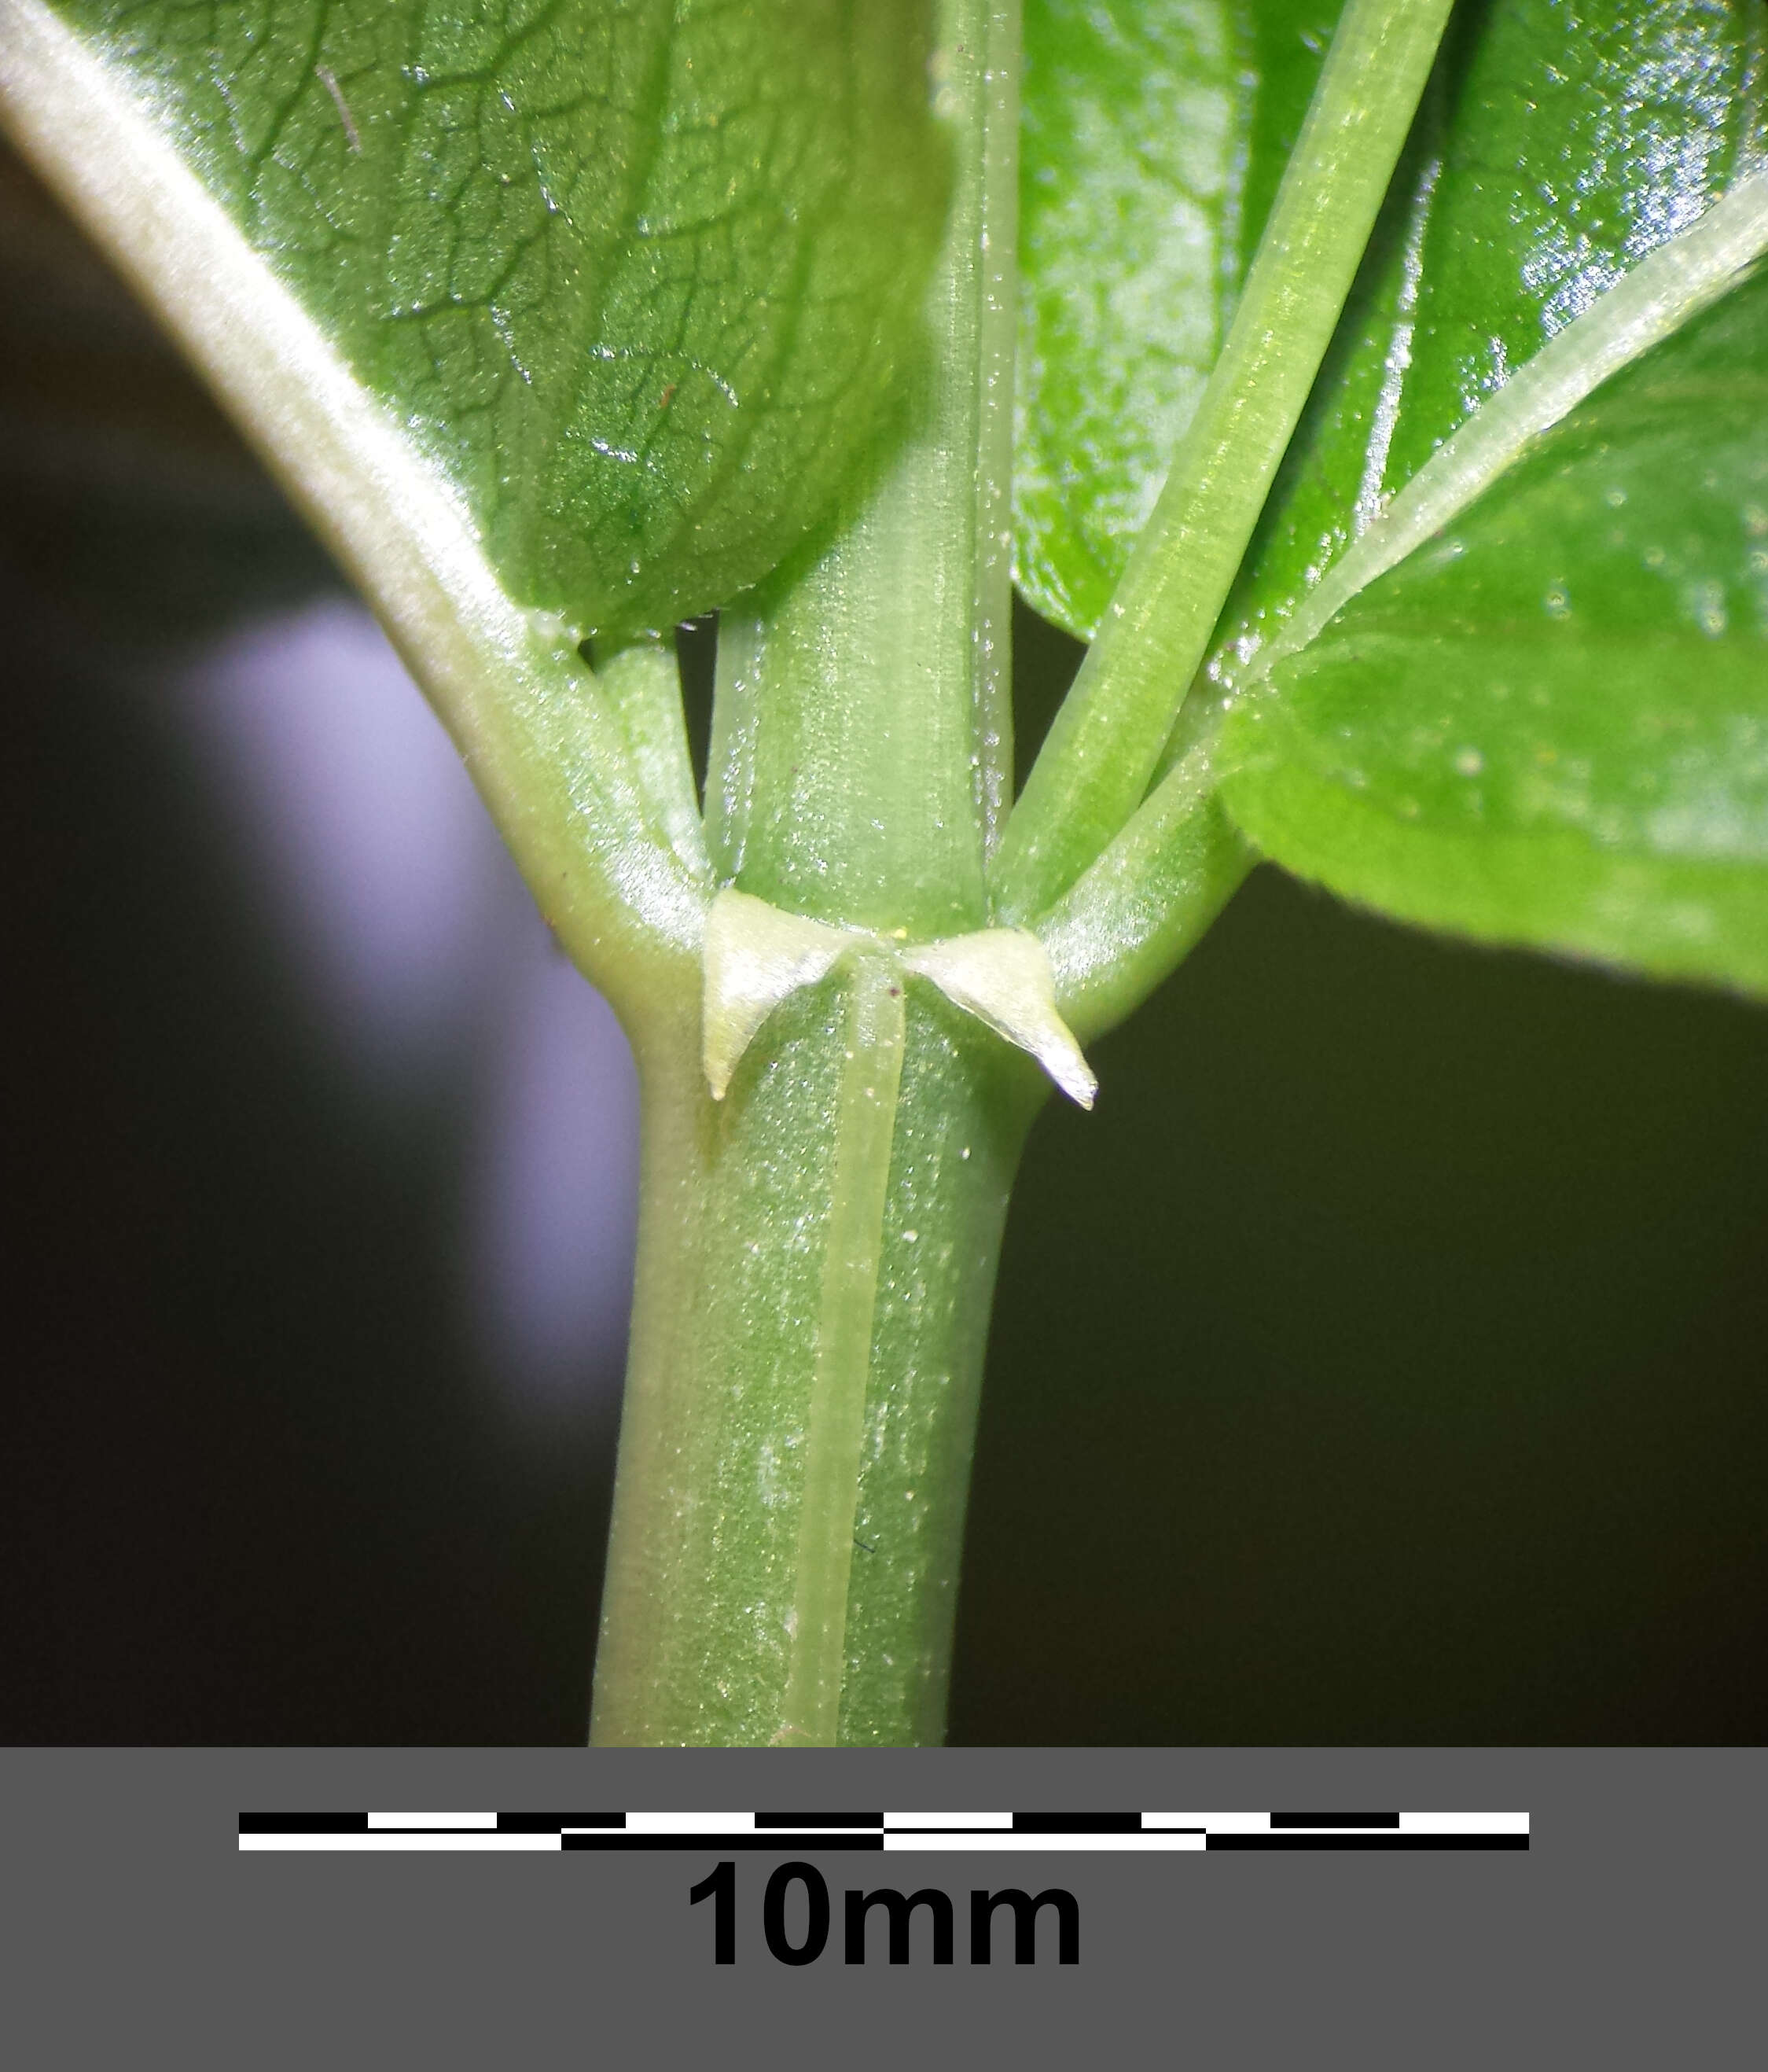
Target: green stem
643 683
996 305
1097 763
817 1251
835 1428
1685 274
1136 912
778 1569
860 740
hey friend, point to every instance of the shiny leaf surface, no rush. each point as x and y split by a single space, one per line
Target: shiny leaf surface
1561 141
1545 728
1550 725
1154 134
1130 134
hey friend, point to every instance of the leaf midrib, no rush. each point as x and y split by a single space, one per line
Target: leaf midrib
1500 433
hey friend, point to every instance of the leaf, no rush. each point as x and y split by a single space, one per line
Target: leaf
1550 726
1540 730
1558 145
636 273
1559 142
1153 134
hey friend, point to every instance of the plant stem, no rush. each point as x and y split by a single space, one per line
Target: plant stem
817 1251
1134 913
643 683
861 742
762 1222
865 1121
1106 742
996 303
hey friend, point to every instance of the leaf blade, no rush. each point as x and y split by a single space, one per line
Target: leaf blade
1541 170
544 747
1558 148
1586 770
1133 122
630 272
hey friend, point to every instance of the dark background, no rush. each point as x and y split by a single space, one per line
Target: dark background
1383 1361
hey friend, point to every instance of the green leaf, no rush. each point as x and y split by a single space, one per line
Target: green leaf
1537 737
1559 142
637 273
1550 726
1154 132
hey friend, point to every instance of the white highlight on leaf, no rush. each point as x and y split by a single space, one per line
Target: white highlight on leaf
755 955
1371 491
1668 287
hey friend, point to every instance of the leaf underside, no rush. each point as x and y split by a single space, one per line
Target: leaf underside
637 273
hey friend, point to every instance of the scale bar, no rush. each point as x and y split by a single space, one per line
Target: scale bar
784 1832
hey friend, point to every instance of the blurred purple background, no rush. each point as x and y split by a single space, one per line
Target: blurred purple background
420 950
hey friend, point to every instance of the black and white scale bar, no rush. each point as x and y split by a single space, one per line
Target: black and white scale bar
970 1833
